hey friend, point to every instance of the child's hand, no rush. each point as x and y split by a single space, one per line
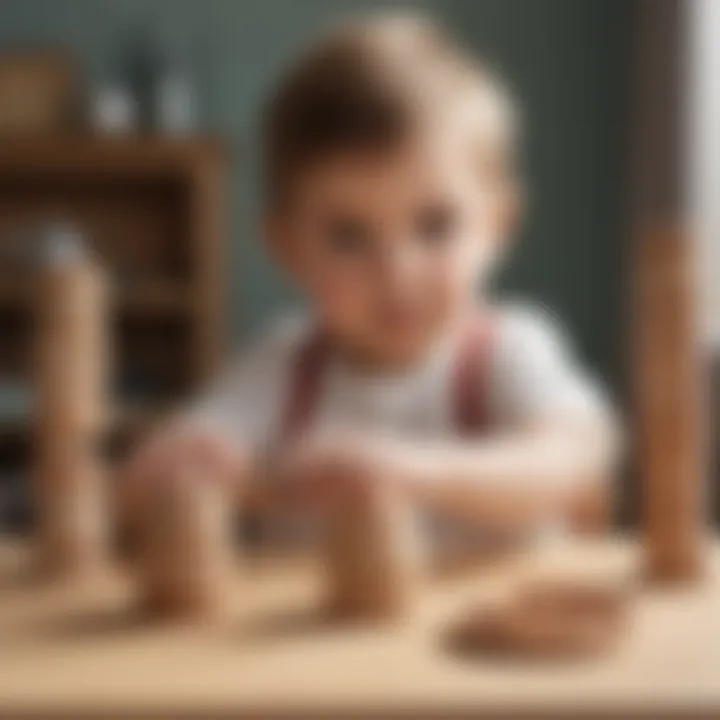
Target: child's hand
172 451
328 470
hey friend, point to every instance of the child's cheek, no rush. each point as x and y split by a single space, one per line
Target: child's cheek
453 275
339 291
450 286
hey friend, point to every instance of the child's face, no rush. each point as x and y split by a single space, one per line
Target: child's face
392 249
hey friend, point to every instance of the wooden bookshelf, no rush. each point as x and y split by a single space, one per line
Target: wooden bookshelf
152 210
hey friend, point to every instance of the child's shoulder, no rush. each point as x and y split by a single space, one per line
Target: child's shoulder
536 370
527 324
285 332
274 344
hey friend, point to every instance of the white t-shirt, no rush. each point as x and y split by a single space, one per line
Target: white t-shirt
532 374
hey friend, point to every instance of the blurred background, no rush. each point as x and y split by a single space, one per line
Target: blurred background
129 127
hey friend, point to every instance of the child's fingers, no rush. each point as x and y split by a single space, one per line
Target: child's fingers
216 458
150 464
321 471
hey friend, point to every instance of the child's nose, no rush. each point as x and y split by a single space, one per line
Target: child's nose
400 265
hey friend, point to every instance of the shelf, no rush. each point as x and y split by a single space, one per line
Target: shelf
152 297
15 292
156 297
14 429
153 208
78 156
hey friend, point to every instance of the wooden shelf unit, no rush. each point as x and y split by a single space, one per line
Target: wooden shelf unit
152 210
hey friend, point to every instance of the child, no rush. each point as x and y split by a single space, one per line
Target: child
391 197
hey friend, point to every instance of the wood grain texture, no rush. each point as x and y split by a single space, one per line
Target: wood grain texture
80 652
71 388
669 406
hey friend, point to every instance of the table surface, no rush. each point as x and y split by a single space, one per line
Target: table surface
81 650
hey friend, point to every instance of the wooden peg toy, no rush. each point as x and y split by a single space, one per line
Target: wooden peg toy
70 374
553 619
669 409
186 552
374 559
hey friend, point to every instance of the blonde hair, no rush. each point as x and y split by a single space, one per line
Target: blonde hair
369 84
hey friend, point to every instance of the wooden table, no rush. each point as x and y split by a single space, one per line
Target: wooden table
82 651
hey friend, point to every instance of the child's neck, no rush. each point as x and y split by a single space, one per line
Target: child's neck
365 361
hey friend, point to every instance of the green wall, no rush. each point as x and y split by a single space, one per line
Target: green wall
566 58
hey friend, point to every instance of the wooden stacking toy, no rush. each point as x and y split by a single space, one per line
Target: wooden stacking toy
374 559
545 618
71 369
186 545
670 443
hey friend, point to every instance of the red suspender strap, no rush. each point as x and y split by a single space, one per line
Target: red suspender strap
470 379
305 382
302 395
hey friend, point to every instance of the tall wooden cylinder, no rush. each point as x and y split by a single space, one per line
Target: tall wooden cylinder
669 403
70 368
186 555
374 559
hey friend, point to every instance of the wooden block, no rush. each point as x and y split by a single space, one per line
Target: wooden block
186 552
70 374
548 621
374 559
551 611
72 522
669 407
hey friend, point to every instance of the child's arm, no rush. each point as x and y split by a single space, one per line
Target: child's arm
560 470
556 447
551 457
220 430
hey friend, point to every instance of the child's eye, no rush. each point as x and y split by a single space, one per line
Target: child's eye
348 236
436 224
